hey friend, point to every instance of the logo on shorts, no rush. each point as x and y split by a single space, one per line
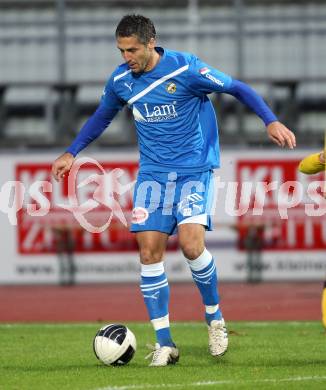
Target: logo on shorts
139 215
187 212
190 205
171 87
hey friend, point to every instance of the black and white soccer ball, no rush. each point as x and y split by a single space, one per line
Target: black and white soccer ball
114 344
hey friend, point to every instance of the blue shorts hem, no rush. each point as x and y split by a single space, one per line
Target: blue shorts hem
147 229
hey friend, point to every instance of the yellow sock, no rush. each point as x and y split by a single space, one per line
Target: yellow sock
323 305
311 164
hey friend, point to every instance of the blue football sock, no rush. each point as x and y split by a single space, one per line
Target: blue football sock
156 293
204 273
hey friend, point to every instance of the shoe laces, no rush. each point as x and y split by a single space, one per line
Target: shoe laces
217 333
154 351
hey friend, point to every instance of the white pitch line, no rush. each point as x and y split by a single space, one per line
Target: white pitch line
252 324
213 383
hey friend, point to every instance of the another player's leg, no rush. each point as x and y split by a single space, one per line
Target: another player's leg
323 305
314 163
156 293
203 270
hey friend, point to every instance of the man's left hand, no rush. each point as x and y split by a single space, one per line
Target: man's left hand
281 135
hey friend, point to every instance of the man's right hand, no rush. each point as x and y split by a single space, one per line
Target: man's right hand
62 165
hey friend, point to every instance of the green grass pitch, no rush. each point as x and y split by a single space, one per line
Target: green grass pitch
262 355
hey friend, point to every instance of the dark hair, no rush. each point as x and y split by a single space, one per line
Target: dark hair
137 25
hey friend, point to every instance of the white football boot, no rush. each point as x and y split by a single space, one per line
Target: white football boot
217 338
162 356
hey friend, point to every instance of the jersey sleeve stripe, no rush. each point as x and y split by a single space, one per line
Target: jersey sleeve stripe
119 76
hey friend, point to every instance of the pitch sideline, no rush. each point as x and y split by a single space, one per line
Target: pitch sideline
212 383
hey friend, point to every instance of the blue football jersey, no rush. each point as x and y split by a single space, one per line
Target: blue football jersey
175 120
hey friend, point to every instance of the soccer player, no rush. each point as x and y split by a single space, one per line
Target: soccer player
315 163
178 141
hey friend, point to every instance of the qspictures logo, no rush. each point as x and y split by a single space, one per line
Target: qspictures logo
93 197
95 202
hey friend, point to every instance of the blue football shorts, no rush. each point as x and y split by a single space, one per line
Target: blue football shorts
163 200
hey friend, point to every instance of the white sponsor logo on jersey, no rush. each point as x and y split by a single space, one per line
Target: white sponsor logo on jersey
214 79
156 113
206 72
